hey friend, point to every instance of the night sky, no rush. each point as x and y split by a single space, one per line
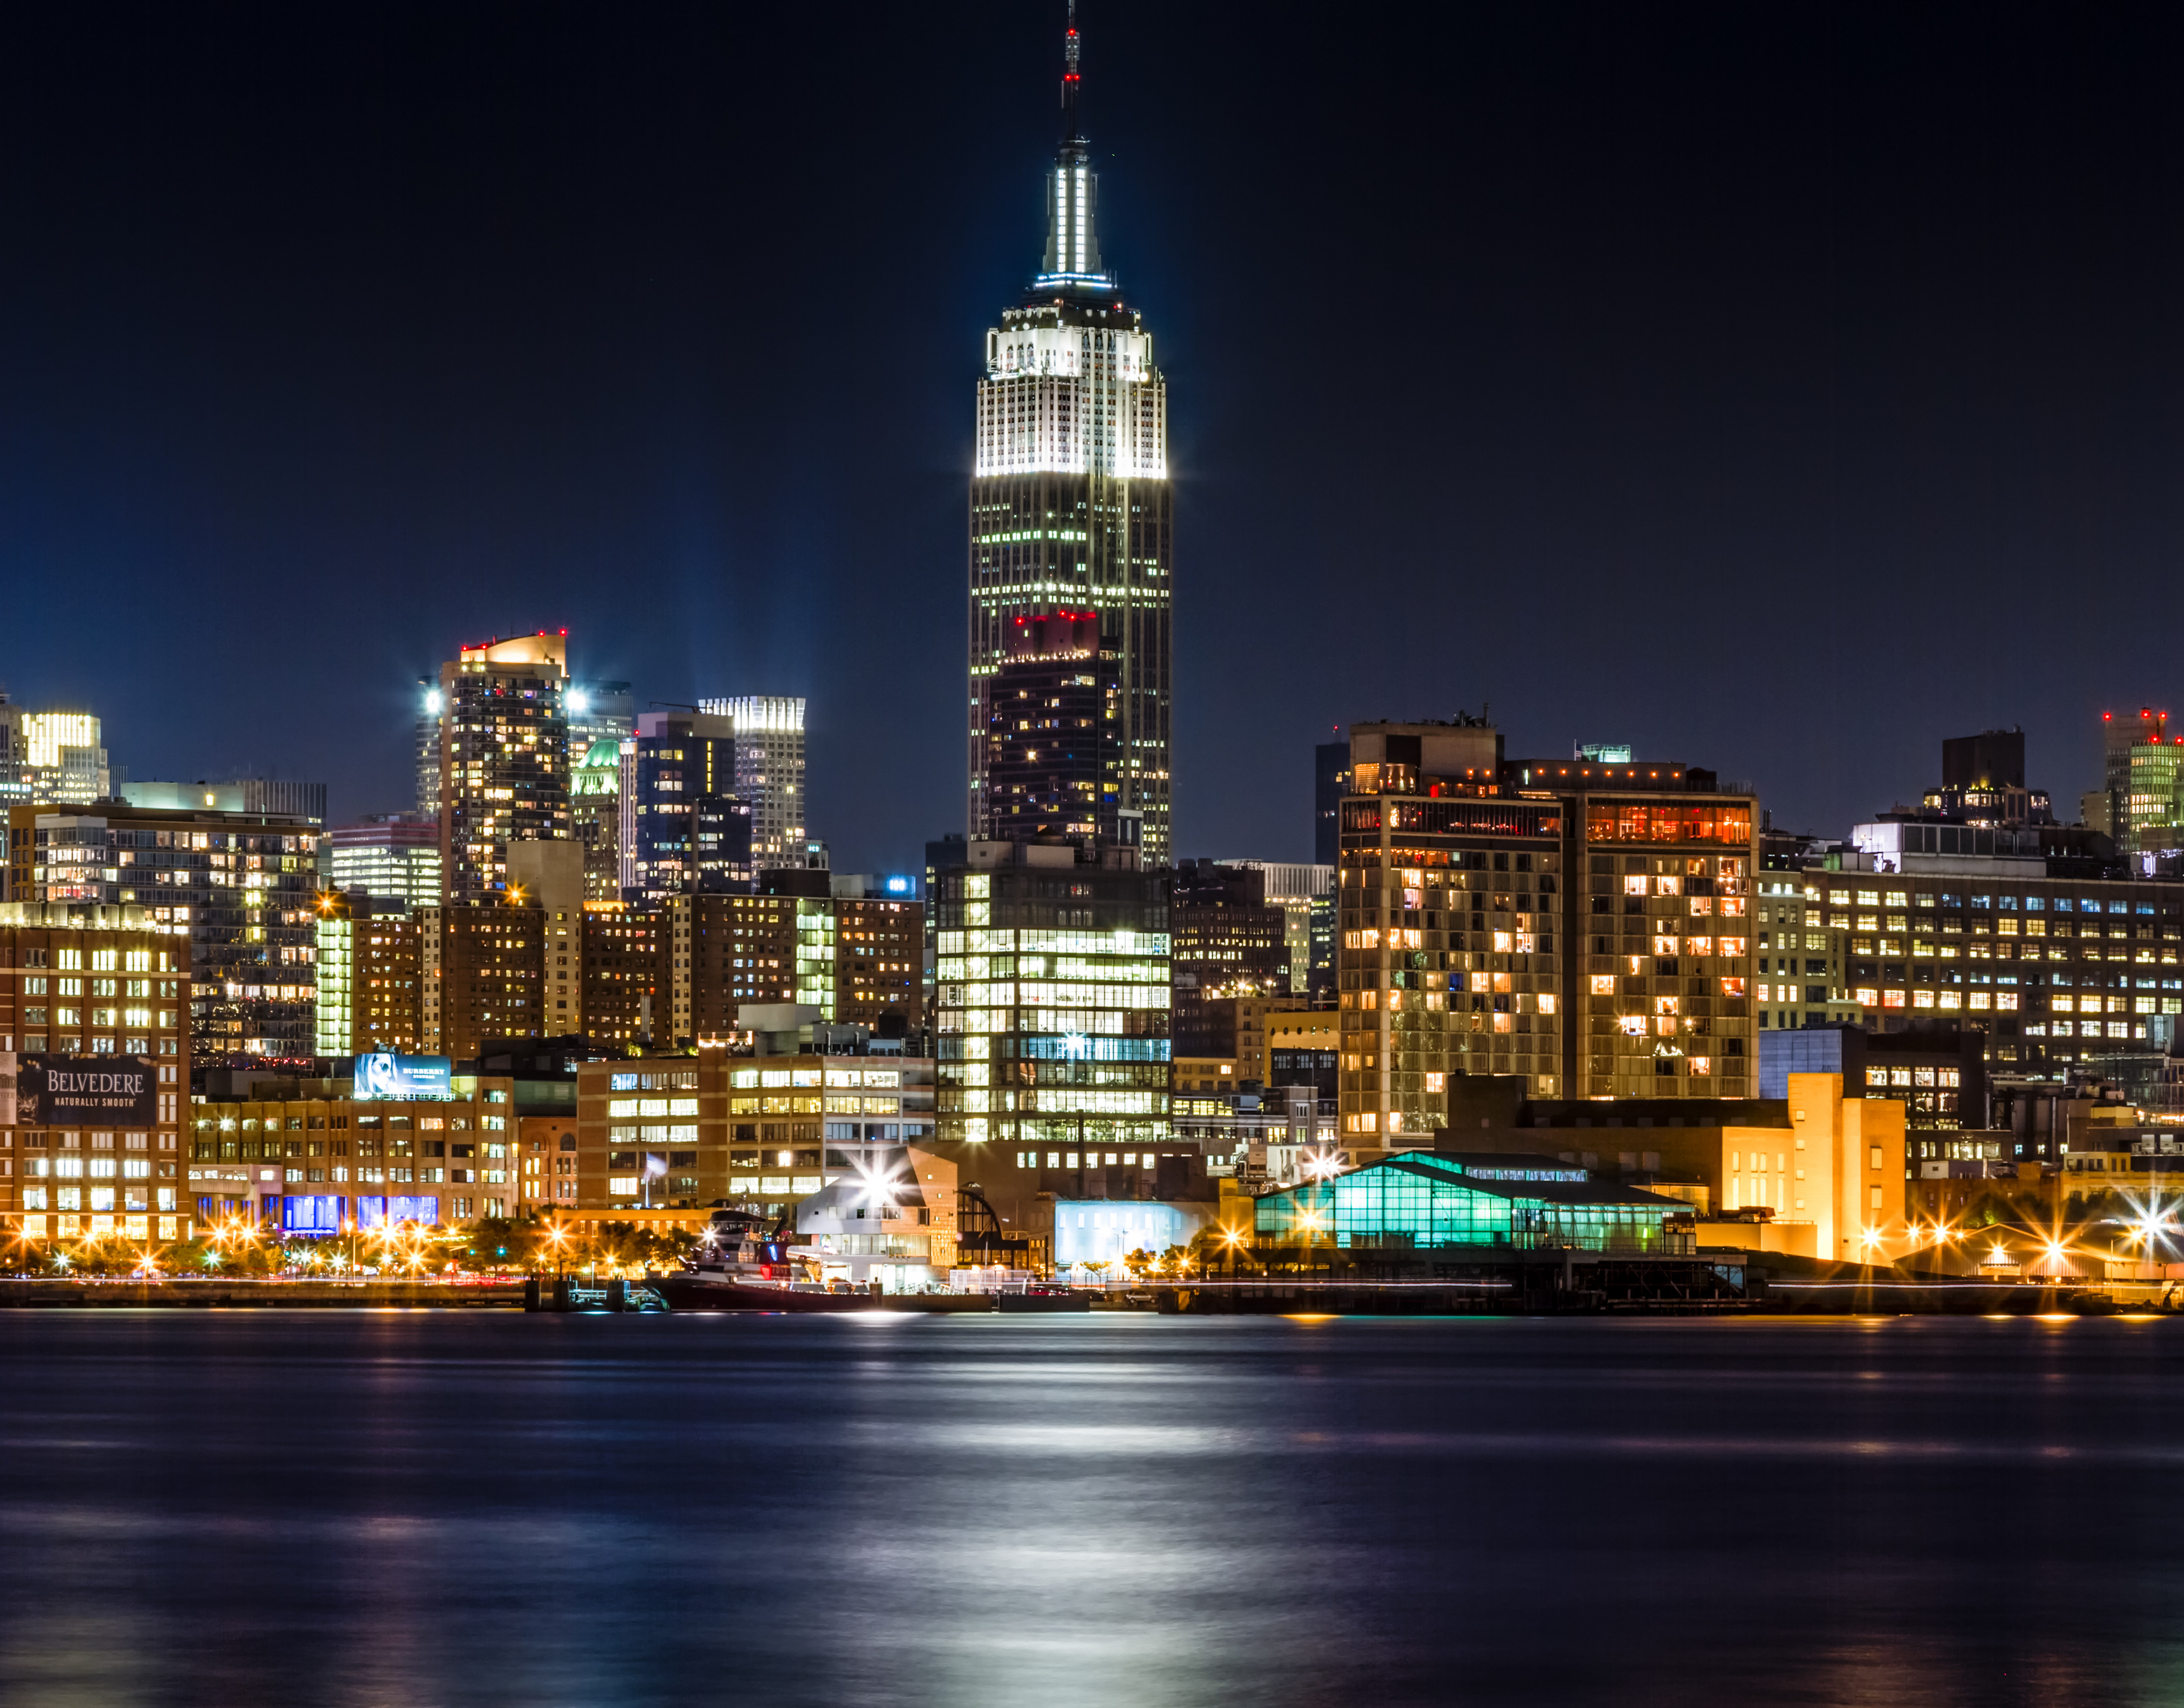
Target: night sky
1779 388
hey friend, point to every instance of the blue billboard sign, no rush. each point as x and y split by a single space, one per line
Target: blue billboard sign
311 1216
404 1078
377 1212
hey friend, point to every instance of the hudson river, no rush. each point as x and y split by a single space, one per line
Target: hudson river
334 1508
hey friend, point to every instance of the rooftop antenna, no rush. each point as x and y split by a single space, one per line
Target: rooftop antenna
1071 131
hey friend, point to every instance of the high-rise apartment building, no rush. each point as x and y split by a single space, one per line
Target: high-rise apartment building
1584 926
504 773
243 886
2141 801
549 876
1330 781
1227 943
595 817
1296 890
769 738
424 746
483 978
598 712
371 972
724 951
99 990
394 859
2018 934
1052 998
685 827
63 758
1071 510
879 944
625 974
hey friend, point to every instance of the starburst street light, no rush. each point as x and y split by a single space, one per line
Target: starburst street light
880 1187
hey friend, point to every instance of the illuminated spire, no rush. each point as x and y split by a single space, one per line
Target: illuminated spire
1073 241
1072 130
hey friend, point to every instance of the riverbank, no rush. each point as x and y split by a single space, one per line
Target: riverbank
50 1294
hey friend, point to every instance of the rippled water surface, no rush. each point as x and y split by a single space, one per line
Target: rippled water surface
416 1508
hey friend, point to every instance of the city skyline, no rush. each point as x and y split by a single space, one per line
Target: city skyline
1729 409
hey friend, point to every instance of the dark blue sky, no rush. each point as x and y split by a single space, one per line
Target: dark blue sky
1780 388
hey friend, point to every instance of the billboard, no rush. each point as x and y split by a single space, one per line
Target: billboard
377 1212
86 1090
404 1078
314 1215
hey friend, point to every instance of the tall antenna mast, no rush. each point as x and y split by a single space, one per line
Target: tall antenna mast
1072 131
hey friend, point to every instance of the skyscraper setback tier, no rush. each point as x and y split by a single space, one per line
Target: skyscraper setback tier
1071 508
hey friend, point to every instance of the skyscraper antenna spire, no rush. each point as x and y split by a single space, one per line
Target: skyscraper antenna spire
1072 128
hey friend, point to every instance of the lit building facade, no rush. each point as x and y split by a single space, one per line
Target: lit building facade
290 800
763 1131
243 886
599 712
1052 1004
1053 729
1071 507
769 778
394 859
2055 967
504 741
1297 891
484 976
1983 783
2142 777
1584 926
64 758
1227 943
879 945
112 984
1427 1201
1800 970
723 951
684 826
595 817
308 1159
369 978
625 967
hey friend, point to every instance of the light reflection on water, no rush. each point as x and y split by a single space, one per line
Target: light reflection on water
417 1508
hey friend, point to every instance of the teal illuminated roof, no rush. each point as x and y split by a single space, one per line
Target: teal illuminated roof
1425 1199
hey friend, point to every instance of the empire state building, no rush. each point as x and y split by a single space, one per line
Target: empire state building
1070 545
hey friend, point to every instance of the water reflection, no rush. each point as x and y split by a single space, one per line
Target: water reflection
419 1508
